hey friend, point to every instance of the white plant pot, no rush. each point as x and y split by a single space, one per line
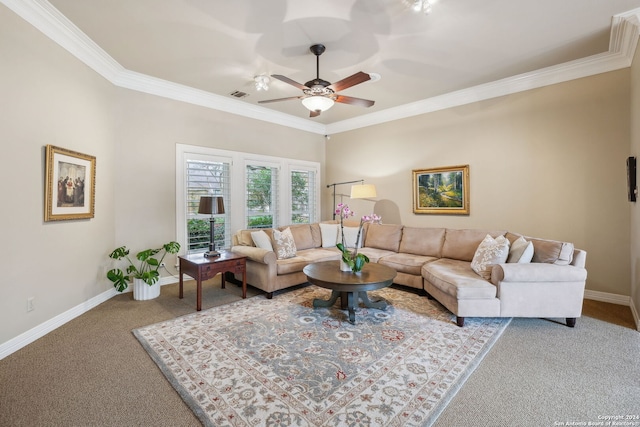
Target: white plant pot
344 266
142 291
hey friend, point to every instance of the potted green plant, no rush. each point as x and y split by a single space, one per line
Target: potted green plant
352 260
142 274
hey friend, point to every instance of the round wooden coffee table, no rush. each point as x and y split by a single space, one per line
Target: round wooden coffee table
349 286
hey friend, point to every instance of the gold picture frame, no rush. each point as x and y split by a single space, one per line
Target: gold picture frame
70 182
443 190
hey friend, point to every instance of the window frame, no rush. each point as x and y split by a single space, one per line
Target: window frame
236 209
276 199
314 191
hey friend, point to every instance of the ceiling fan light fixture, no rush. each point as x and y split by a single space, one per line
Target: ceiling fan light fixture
262 82
317 103
425 6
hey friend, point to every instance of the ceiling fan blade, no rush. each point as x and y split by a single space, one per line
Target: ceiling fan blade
279 99
315 113
288 80
354 101
352 80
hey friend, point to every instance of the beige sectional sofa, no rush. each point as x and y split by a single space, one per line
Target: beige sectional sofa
439 262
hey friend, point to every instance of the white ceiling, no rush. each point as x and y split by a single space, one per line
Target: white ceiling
218 46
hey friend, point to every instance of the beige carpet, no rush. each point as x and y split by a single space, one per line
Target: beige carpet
94 372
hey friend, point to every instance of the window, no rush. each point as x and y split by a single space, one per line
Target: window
262 191
303 196
206 178
258 191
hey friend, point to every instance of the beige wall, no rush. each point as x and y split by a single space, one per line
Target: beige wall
633 207
547 163
148 131
49 97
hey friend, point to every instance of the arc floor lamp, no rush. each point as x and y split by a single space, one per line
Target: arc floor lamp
359 191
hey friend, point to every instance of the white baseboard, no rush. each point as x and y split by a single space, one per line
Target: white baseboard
607 297
636 316
43 329
615 299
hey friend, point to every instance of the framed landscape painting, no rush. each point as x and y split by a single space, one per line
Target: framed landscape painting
69 184
442 190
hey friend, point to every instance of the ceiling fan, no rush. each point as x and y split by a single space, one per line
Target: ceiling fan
319 95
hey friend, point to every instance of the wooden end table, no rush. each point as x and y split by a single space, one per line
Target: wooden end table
202 268
349 286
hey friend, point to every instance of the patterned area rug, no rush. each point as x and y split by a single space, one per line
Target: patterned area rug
280 362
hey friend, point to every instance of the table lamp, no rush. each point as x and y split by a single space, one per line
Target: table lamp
213 205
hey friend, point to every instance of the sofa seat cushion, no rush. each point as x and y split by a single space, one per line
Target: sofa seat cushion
291 265
305 257
317 255
375 254
456 278
406 263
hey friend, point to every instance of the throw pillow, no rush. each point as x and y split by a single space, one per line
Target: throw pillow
521 251
350 236
261 240
329 234
490 251
285 246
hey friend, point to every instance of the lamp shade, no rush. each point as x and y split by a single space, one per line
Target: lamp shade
362 191
213 205
317 103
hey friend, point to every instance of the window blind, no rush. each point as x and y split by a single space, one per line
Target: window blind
303 197
262 196
207 178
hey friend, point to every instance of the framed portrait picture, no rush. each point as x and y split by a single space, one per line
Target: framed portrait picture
70 181
442 190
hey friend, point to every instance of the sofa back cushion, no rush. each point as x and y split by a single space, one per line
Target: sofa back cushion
462 244
422 241
303 235
548 251
383 236
244 238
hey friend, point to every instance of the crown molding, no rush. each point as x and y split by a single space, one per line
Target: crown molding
143 83
46 18
53 24
622 47
624 33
